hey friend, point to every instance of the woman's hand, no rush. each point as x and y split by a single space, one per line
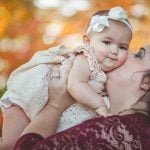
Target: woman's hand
58 93
46 122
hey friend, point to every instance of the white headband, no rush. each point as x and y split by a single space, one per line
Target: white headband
98 23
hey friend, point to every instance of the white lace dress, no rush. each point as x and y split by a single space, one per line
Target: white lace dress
78 113
27 86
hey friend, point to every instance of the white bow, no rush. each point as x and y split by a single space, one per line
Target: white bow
98 22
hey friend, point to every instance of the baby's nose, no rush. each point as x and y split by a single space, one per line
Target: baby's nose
114 50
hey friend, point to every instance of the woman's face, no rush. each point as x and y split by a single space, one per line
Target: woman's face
124 82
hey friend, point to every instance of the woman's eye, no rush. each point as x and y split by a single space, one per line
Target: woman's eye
138 55
107 42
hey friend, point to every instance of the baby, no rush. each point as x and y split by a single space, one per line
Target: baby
105 48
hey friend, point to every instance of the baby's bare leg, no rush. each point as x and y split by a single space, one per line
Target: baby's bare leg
14 122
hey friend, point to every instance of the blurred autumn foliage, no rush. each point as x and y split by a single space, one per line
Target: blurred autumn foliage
27 26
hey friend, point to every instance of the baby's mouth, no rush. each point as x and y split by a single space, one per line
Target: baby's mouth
112 58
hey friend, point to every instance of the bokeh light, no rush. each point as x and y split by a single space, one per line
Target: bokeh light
28 26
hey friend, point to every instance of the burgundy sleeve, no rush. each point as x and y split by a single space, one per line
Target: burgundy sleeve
111 133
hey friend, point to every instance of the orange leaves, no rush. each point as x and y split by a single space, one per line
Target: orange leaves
4 19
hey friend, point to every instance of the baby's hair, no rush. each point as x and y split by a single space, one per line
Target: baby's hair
103 13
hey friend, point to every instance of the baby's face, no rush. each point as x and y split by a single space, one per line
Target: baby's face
111 45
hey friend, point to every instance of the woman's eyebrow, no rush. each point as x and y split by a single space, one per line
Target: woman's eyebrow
142 49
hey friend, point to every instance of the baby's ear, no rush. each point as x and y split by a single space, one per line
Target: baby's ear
145 85
86 39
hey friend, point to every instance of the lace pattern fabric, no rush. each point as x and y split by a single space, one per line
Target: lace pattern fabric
28 84
74 115
32 78
97 76
129 132
78 113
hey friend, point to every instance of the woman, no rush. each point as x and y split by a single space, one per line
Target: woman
129 90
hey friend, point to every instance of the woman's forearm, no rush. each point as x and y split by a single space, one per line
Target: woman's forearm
46 122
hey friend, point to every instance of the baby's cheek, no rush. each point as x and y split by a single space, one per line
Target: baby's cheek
122 59
119 63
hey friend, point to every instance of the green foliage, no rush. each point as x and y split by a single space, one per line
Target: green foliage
2 91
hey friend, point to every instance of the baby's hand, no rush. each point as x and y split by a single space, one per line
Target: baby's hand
102 111
104 94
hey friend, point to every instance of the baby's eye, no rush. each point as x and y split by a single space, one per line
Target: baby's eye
123 48
107 42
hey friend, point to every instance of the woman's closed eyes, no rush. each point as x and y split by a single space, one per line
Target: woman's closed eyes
141 53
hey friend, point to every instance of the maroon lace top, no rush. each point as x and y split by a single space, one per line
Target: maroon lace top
128 132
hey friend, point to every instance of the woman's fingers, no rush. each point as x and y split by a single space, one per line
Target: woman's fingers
54 73
66 67
62 73
58 93
54 79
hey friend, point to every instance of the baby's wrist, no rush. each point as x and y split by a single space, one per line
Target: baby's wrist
102 110
100 107
55 106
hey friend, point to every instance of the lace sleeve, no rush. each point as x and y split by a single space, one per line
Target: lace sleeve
129 132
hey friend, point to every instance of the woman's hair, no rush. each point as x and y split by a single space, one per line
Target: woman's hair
143 104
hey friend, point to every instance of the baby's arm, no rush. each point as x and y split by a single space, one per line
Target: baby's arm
81 90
